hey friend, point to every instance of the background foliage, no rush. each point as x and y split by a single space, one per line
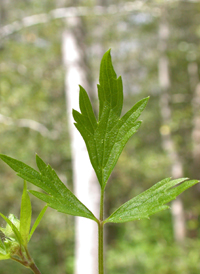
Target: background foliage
32 87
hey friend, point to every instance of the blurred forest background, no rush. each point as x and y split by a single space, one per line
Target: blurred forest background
155 48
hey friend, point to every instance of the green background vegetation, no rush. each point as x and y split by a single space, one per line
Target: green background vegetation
32 87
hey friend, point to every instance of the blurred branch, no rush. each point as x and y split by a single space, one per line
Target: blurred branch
44 131
74 12
127 7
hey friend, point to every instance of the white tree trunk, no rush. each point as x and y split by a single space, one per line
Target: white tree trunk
168 144
86 187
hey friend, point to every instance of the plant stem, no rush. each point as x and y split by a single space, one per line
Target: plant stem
32 265
34 268
100 228
101 267
101 205
27 261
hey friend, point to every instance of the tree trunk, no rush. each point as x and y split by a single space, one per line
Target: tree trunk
168 144
86 187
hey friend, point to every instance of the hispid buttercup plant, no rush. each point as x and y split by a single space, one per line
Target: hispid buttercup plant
15 236
105 138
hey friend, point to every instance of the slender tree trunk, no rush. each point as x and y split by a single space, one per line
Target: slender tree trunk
86 187
168 144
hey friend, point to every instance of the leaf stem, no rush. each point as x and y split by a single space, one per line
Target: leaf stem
100 232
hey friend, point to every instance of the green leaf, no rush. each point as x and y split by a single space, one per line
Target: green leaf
73 207
150 201
29 174
4 257
25 215
106 138
49 181
37 221
14 229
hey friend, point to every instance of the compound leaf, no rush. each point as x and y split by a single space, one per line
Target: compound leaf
150 201
49 181
106 138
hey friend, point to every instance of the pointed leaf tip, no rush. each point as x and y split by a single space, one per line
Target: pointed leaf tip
150 201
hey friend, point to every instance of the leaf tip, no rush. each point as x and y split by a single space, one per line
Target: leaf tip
146 99
107 55
74 113
81 89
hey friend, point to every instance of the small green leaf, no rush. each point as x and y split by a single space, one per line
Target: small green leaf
25 215
4 256
106 138
150 201
37 221
59 195
14 229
